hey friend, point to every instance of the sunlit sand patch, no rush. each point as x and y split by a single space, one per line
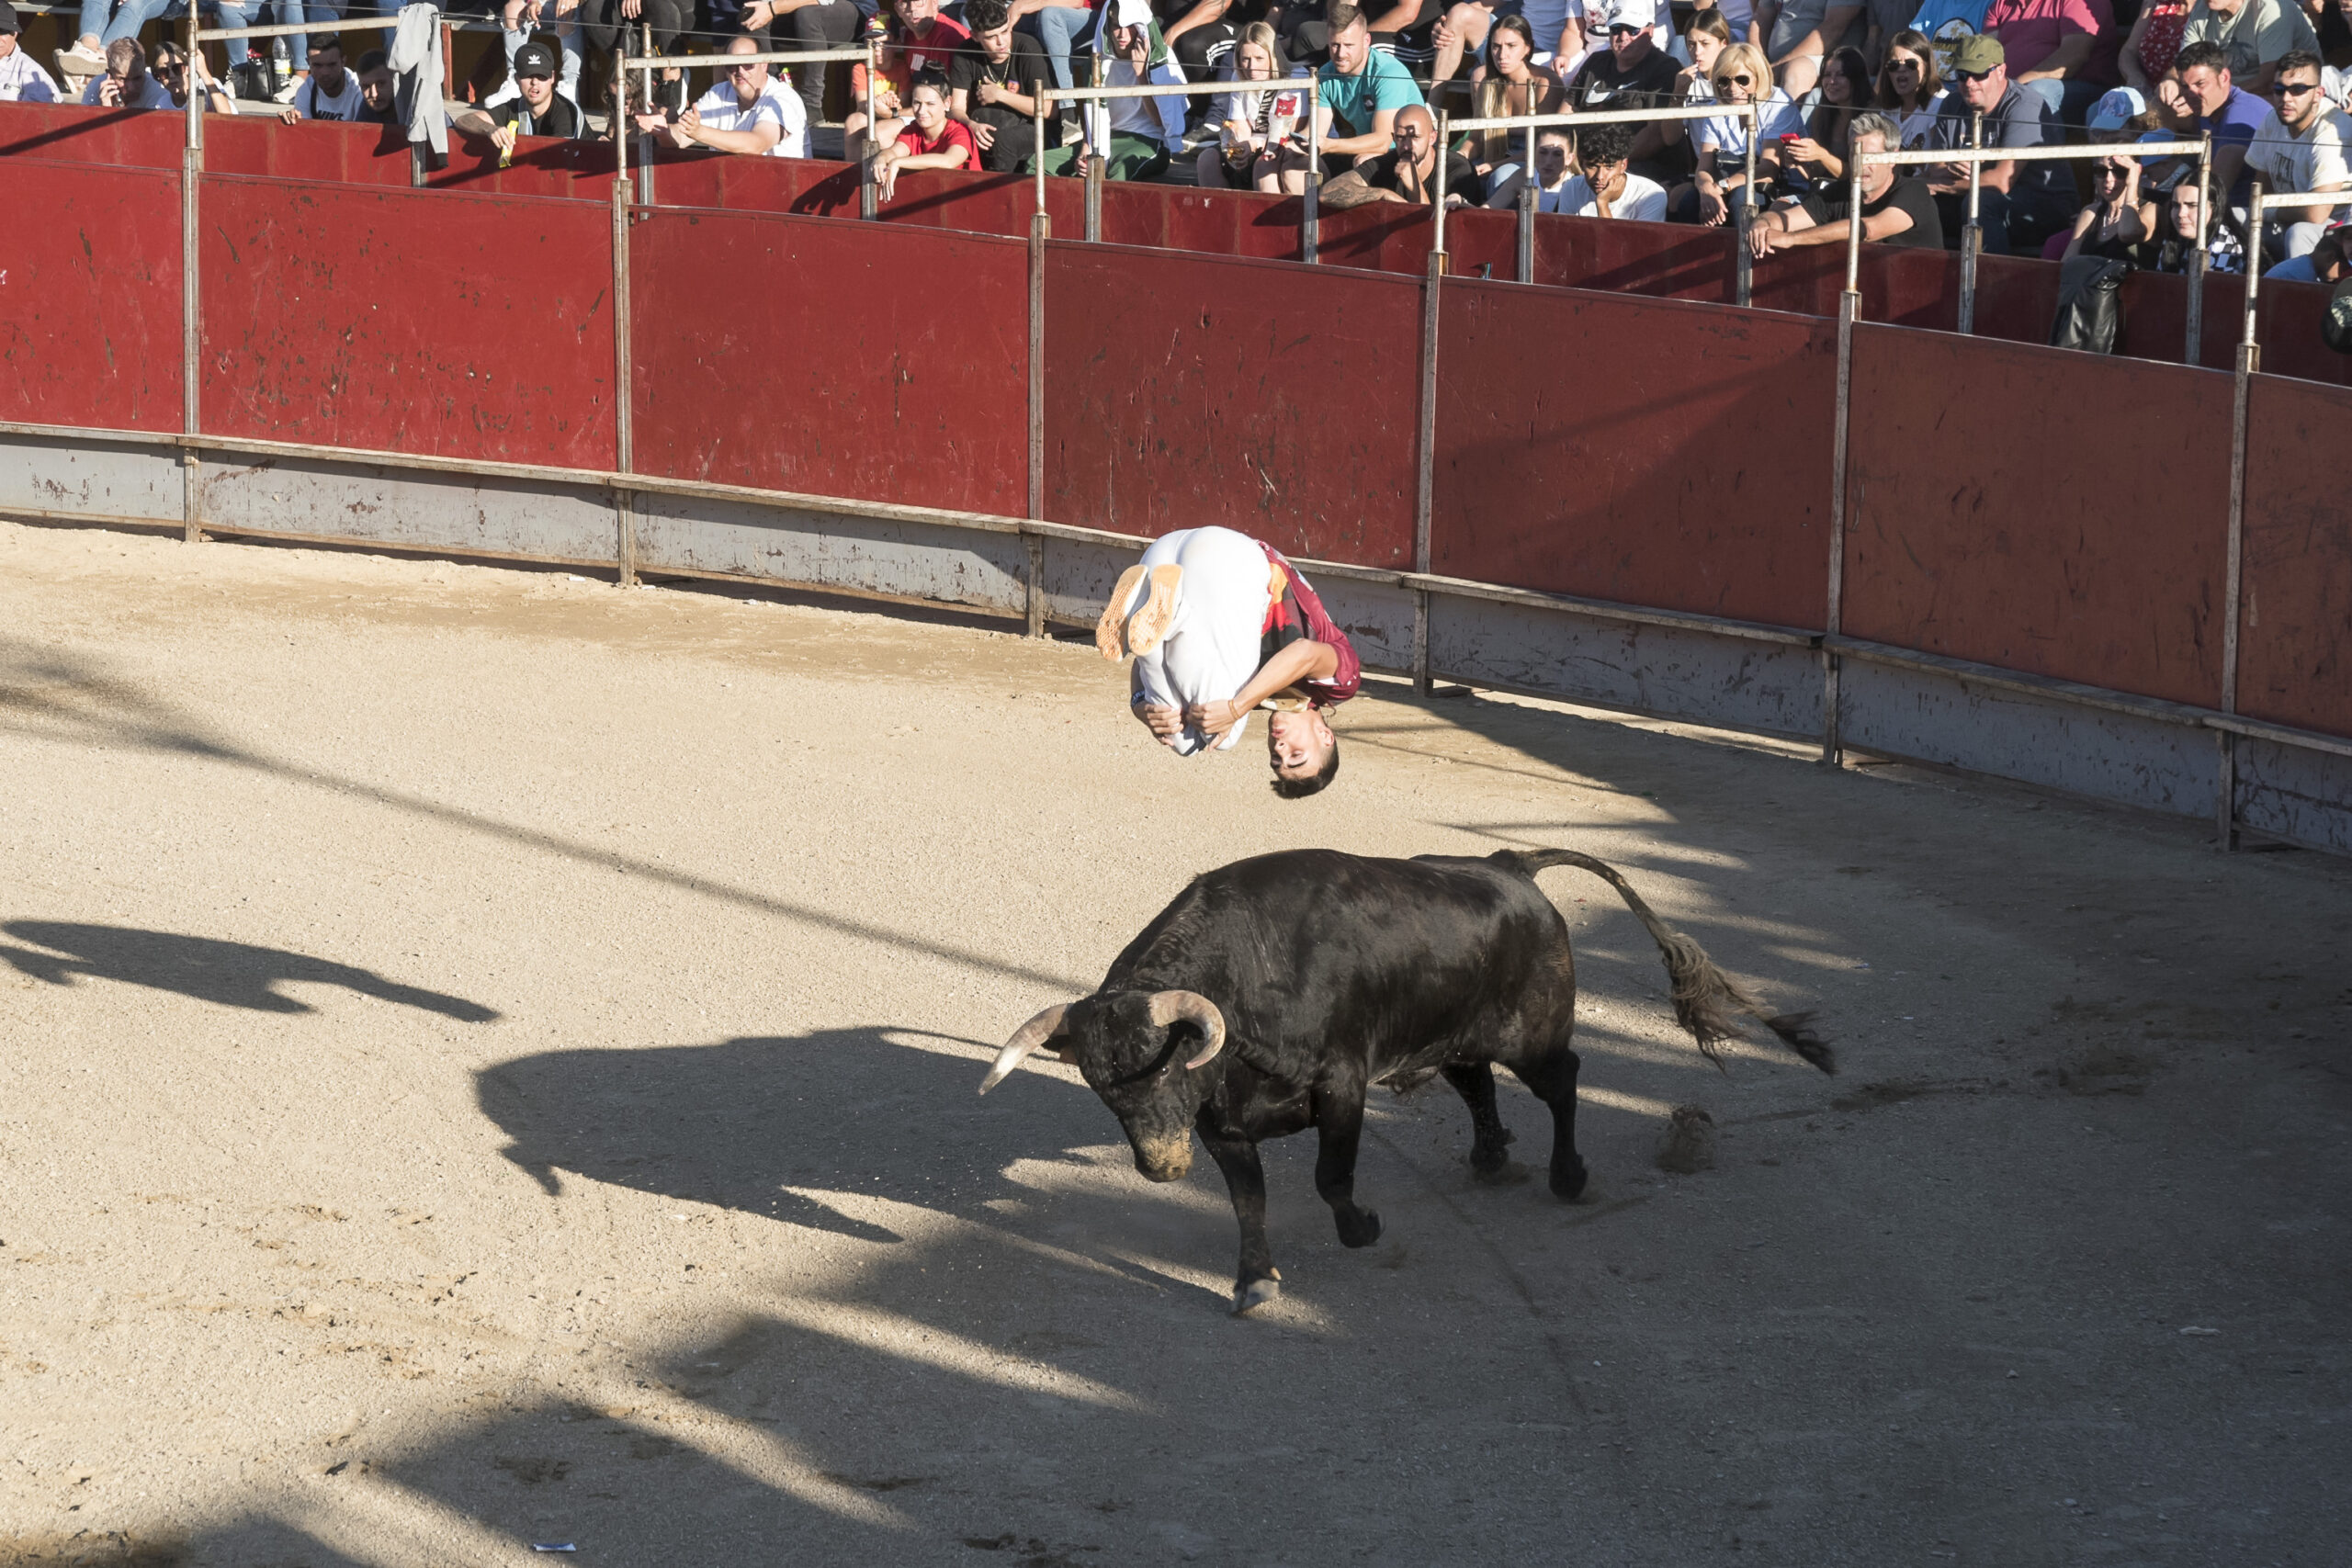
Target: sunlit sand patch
871 1329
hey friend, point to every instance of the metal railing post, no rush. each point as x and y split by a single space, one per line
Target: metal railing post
645 101
1425 440
1850 310
1971 235
1310 202
1041 228
2249 364
1095 116
869 197
1437 207
624 396
1744 263
191 334
1037 110
620 116
2193 353
1527 212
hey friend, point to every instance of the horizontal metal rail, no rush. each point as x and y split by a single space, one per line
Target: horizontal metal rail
2302 199
1749 111
1175 89
2032 155
287 30
772 57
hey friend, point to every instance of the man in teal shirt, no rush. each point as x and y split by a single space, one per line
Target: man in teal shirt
1361 87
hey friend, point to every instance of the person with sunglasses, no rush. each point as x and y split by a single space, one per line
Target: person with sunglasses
2121 219
2300 147
747 111
1910 92
1632 62
1742 76
2254 36
170 66
2019 203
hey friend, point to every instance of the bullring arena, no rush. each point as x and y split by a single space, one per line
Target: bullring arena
513 867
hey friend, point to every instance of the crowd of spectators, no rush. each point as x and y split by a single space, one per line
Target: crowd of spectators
957 84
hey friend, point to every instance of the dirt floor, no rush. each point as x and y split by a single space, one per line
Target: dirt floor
488 1058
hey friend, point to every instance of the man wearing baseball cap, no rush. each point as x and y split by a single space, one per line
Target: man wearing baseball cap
2019 204
1631 63
20 80
537 109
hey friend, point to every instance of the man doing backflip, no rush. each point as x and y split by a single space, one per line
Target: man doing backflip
1219 624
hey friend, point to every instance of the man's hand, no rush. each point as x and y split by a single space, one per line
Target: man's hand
503 139
1763 239
1166 723
288 113
1213 719
652 124
632 9
990 92
109 92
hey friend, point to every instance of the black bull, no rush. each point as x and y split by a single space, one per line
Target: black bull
1275 990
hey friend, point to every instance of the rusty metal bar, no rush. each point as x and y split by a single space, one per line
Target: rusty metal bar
624 394
1850 310
2193 350
1310 200
1527 211
191 322
1972 234
1425 441
1041 228
869 195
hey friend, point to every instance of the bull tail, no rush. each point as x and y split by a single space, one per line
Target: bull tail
1707 1002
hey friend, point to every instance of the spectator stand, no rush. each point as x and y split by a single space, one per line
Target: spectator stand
1100 95
418 168
1447 128
645 64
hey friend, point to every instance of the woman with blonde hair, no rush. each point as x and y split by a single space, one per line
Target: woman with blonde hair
1262 131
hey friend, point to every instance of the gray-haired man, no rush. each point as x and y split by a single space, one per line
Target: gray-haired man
1897 209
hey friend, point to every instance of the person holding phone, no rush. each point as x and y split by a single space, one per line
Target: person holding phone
1218 625
1262 131
1742 76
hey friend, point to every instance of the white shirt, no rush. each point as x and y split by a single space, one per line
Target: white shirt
21 81
1727 133
1281 106
721 109
312 104
1916 125
153 95
2312 161
1642 200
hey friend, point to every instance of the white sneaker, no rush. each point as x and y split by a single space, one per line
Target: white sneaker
80 62
286 94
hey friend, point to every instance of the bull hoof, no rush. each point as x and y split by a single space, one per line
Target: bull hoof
1570 1187
1249 1298
1361 1230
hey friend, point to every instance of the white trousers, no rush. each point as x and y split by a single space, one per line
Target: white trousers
1211 650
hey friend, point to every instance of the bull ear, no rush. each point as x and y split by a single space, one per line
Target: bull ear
1046 1026
1191 1007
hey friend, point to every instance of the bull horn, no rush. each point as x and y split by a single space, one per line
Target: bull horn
1191 1007
1025 1040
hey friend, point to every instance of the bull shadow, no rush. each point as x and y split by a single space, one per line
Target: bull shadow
765 1124
233 974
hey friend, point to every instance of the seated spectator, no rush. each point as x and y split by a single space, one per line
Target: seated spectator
1409 172
2300 147
2121 220
747 111
1910 88
1261 140
1721 178
931 139
787 26
1606 188
2063 50
2176 232
379 90
2147 53
126 85
1461 34
2324 262
170 68
1554 147
1897 209
917 38
1201 35
523 20
1708 37
1057 25
2252 35
330 92
21 81
2019 203
993 91
1363 88
2228 112
1631 63
620 27
1818 154
1133 137
537 110
1512 85
1800 34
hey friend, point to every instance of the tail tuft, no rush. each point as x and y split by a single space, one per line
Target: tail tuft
1795 1030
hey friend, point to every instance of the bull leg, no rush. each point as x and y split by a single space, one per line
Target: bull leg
1475 1082
1551 1079
1258 1282
1339 1123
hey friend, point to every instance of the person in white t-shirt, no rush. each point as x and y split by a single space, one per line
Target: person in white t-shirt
330 92
21 81
2300 147
1606 188
748 112
126 85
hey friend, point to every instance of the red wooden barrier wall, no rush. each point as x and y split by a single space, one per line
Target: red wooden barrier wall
1645 451
1184 390
419 321
801 355
2088 543
2295 626
90 322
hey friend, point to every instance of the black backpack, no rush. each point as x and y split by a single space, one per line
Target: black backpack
2090 311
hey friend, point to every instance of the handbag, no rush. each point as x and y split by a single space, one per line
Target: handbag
2090 307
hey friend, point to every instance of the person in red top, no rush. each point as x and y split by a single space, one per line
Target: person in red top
917 41
1220 624
2063 50
930 140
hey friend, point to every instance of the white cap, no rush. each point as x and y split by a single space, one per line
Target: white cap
1628 14
2118 106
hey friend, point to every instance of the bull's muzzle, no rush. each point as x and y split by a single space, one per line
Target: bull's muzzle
1164 1162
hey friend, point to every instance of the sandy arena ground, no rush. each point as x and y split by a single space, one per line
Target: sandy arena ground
488 1058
